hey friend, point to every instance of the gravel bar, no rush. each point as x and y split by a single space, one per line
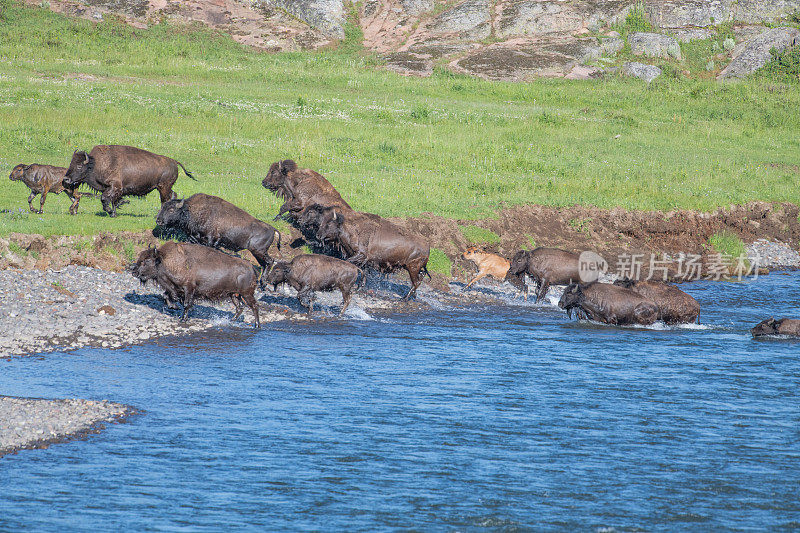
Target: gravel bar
27 423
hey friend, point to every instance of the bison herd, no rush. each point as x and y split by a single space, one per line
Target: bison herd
350 242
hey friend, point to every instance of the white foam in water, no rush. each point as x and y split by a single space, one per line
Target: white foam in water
356 313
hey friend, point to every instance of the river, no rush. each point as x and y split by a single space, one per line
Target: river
492 417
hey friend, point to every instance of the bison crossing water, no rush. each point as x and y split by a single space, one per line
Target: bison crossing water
351 242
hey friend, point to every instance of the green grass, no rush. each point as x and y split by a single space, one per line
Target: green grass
635 21
439 262
450 145
479 235
728 244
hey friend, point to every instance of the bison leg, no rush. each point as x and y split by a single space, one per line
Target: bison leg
543 286
165 191
30 201
413 274
170 299
73 209
41 201
188 302
236 299
346 296
250 300
110 199
480 275
307 294
263 258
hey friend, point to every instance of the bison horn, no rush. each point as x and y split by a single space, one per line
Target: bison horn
86 158
334 215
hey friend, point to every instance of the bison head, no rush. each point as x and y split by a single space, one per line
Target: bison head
572 297
278 274
79 169
311 218
146 266
330 226
18 172
765 327
170 213
276 177
519 263
469 254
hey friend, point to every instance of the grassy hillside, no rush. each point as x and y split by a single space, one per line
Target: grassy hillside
450 145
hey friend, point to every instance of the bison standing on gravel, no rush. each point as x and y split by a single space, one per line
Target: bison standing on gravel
546 266
119 171
215 222
312 272
369 240
784 326
43 179
674 305
610 304
301 188
188 271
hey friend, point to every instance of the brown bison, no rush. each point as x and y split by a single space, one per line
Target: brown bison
610 304
43 179
215 222
312 272
546 266
674 305
187 271
119 171
372 241
300 188
785 326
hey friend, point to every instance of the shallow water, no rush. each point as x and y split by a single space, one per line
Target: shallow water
506 417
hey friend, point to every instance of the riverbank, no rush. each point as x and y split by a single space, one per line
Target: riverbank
27 423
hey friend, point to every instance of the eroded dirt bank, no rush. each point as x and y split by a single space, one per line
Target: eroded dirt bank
610 232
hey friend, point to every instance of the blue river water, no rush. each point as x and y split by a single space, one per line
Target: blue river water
503 417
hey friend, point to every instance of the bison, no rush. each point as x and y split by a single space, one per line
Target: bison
610 304
546 266
674 305
372 241
187 271
119 171
312 272
43 179
215 222
301 188
785 326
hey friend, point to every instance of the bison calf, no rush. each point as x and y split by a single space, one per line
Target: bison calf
215 222
43 179
785 326
609 304
118 171
490 265
312 272
188 271
674 305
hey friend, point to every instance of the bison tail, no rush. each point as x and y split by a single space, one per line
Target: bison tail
186 171
278 243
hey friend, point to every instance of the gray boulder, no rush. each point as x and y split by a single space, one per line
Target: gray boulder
470 19
324 15
755 53
683 13
639 70
611 46
537 17
654 45
417 7
758 11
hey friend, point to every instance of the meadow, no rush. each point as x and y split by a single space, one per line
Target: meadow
450 145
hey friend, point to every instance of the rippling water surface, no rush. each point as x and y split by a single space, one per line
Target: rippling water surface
506 417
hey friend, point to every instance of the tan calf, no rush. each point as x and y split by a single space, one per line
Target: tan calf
488 264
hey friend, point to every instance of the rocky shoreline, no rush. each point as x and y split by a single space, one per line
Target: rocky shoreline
27 423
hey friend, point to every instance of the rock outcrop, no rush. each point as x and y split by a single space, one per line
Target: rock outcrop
497 39
756 52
